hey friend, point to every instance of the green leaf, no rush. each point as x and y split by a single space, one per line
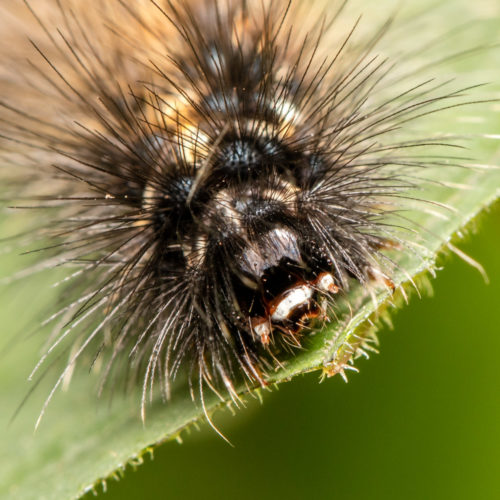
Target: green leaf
82 441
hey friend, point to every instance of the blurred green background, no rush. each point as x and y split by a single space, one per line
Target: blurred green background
420 421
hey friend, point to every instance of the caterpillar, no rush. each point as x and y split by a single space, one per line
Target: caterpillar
215 176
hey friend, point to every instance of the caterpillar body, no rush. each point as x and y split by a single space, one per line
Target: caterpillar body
222 173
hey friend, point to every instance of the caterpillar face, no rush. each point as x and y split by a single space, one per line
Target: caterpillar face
223 176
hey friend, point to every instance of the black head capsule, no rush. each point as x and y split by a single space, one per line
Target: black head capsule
290 292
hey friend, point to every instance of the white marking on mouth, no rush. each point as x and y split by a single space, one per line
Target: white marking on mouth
291 300
262 328
326 283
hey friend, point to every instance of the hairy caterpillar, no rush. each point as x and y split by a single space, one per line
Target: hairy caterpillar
222 175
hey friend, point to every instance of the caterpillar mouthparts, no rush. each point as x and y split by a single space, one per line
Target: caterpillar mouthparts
294 307
222 172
